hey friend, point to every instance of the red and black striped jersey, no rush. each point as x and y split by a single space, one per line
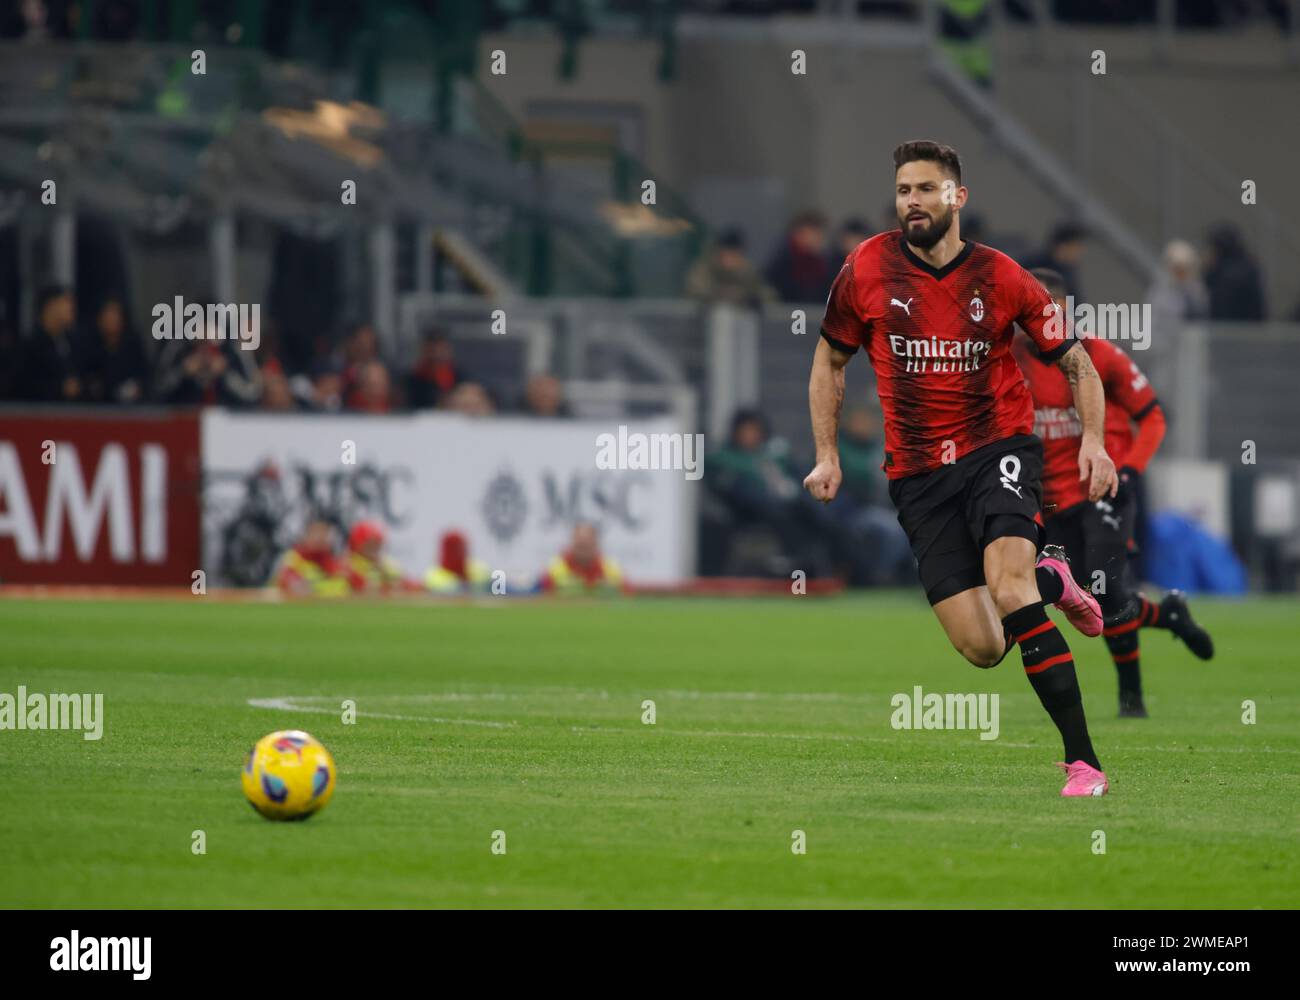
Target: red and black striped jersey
939 340
1129 397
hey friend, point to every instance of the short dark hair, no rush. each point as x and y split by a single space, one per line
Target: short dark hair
924 149
48 294
809 217
749 415
1068 232
731 239
1053 281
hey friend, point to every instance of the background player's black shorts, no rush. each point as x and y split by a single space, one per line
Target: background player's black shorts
951 513
1098 539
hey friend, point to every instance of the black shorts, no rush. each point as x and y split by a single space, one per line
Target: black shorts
1098 538
951 513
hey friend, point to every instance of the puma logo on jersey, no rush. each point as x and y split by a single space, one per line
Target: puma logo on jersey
1011 486
905 306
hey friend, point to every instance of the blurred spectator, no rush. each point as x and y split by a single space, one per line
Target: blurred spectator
359 349
801 270
322 389
115 20
369 569
889 219
725 274
115 368
1232 277
862 451
310 568
863 503
471 399
972 226
48 367
755 476
1064 251
544 397
435 373
456 572
38 20
207 372
277 397
581 568
965 27
270 356
1013 244
1177 297
372 391
1178 292
852 232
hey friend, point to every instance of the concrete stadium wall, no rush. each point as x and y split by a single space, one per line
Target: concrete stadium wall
750 143
1231 97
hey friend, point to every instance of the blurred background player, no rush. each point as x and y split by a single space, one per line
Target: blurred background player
456 572
1098 536
369 570
310 568
581 569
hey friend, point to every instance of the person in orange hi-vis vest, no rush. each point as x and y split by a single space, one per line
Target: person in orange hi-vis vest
310 568
456 572
368 569
581 569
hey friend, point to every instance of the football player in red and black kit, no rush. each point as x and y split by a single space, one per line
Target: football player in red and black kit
936 315
1098 536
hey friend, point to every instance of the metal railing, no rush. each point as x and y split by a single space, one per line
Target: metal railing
1222 384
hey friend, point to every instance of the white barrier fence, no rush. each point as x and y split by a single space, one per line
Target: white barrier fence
514 487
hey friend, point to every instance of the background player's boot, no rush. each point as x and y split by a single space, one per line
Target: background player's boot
1083 779
1175 616
1079 606
1131 705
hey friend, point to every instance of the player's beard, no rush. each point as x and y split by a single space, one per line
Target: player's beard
927 236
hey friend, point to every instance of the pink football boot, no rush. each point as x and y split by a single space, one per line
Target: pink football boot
1079 606
1083 780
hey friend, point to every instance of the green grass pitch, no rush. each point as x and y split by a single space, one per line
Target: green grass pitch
526 717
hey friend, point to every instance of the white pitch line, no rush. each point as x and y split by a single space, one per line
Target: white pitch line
287 705
585 694
741 735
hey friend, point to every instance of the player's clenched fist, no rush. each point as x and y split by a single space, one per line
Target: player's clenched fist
824 481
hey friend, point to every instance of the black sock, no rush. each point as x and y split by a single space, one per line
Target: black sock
1050 586
1050 669
1122 641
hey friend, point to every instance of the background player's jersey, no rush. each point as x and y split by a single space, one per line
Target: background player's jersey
1129 397
939 340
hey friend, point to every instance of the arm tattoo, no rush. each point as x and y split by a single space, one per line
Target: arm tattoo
1077 365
